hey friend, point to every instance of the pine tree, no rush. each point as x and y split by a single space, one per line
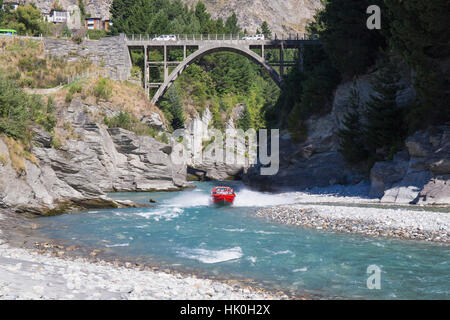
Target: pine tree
351 135
121 11
266 30
203 17
245 121
176 109
82 10
219 26
231 25
384 130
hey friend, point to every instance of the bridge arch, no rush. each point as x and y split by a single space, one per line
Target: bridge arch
204 50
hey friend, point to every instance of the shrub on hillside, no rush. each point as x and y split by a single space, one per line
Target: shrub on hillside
96 34
103 89
19 110
128 122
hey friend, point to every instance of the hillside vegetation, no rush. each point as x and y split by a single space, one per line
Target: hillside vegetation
24 62
23 65
350 50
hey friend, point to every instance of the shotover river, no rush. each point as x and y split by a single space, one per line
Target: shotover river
183 231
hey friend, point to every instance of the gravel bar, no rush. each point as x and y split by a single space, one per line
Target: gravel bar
383 222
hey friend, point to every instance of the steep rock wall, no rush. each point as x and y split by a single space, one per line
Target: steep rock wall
79 173
110 52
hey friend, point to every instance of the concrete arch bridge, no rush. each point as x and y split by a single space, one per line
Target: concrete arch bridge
206 44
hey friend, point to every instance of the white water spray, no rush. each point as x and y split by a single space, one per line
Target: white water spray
244 198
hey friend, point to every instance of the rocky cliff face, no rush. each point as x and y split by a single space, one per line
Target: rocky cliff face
95 8
418 175
316 162
204 164
283 16
94 161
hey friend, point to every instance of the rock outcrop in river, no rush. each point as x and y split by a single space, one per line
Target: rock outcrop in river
94 160
207 166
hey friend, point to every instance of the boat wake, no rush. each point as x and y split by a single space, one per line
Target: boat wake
249 198
211 256
166 214
244 198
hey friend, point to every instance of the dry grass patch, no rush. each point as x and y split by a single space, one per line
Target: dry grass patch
25 62
121 96
18 154
3 160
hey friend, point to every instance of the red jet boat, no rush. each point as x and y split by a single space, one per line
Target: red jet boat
223 195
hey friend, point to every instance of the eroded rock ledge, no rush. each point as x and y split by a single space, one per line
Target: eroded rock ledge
93 161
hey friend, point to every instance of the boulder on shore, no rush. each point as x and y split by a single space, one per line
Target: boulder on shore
420 174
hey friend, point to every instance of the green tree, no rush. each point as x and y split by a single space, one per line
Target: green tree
173 107
66 32
26 20
203 17
341 25
231 25
245 121
220 28
266 30
351 136
18 110
384 131
312 93
121 11
82 10
419 32
160 23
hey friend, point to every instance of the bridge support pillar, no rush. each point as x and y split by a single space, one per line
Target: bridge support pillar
146 71
282 61
300 57
166 68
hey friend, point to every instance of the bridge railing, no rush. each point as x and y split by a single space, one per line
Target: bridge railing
215 37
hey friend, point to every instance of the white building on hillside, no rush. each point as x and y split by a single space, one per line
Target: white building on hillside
11 5
57 16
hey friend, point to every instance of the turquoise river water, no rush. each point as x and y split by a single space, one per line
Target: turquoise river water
183 231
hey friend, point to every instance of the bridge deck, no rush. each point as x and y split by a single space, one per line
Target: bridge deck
140 42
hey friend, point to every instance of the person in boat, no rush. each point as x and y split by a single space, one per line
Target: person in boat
223 195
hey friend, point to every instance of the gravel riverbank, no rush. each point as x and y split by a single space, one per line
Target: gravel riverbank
372 221
29 275
50 272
